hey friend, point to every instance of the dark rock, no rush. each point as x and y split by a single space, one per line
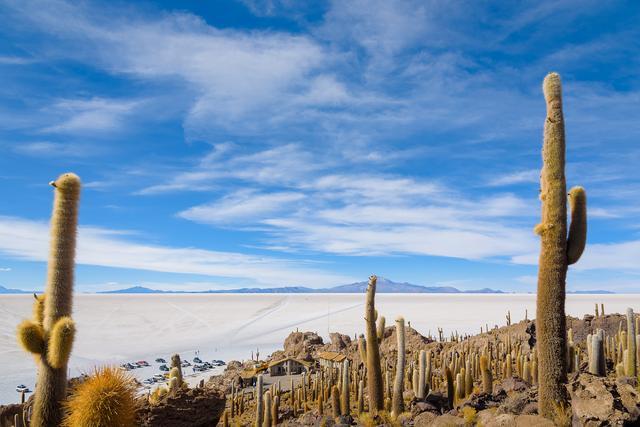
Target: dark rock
196 407
513 384
420 407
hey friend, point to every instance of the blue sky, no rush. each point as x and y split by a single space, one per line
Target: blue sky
272 143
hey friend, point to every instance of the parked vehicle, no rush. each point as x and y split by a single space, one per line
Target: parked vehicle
197 360
160 360
22 388
164 368
185 363
142 363
149 381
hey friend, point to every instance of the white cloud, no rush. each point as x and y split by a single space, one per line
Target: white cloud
91 115
526 176
241 206
5 269
27 239
598 256
360 213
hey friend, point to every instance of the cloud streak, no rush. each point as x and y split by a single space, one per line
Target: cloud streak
28 240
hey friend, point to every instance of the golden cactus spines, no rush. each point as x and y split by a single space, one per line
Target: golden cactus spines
60 342
31 337
374 371
487 377
557 251
49 335
577 239
105 399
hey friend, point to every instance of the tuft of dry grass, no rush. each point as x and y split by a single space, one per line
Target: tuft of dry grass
105 399
562 414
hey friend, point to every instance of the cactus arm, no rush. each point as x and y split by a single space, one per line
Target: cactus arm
31 337
578 229
61 342
381 326
38 308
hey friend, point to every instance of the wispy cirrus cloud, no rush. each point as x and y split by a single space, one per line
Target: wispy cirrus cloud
91 115
28 240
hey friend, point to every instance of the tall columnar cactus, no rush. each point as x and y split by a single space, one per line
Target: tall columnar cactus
596 357
345 399
422 375
49 335
556 253
259 401
374 371
631 368
450 386
487 378
335 401
267 409
397 404
105 399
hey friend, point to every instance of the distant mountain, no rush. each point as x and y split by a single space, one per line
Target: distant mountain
384 286
597 291
4 290
138 290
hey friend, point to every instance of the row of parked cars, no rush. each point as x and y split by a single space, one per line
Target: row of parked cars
197 366
134 365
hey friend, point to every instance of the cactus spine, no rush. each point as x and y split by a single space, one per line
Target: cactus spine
49 335
631 368
556 253
374 371
106 399
397 404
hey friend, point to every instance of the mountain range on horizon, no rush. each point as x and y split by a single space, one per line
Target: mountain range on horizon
383 286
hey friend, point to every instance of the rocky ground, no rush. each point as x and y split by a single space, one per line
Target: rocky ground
595 401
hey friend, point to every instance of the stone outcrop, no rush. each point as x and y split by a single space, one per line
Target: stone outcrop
599 401
196 407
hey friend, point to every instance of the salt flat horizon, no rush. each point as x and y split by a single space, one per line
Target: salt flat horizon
118 328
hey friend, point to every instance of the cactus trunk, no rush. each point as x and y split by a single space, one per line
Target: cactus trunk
556 253
374 371
53 317
397 404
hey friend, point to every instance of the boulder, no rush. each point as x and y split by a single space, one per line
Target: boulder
301 344
339 341
196 407
598 401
